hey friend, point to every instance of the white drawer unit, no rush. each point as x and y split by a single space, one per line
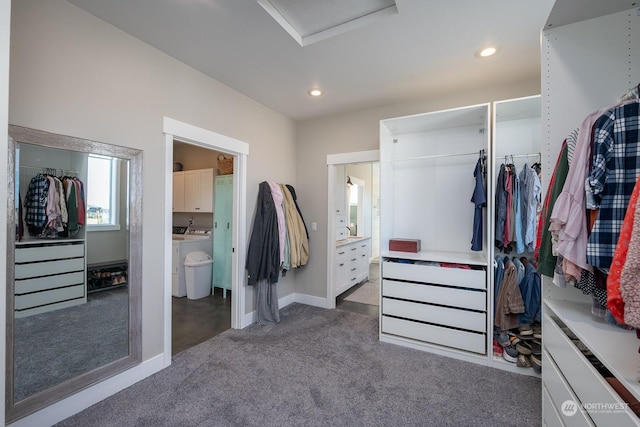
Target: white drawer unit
476 279
49 275
569 375
351 264
432 305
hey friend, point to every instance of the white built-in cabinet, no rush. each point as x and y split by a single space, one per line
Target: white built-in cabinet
50 272
49 275
586 65
429 300
427 164
351 265
341 204
178 192
193 191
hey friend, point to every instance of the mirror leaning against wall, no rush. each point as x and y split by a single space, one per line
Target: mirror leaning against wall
74 247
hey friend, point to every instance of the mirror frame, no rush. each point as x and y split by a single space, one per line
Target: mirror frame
18 134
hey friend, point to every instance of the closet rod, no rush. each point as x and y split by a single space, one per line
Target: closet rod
44 168
517 156
435 156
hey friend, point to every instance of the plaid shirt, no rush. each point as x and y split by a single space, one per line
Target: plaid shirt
35 201
616 166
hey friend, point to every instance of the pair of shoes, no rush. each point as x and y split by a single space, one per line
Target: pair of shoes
525 329
537 330
536 347
502 338
510 354
526 337
497 348
524 348
514 339
524 361
536 362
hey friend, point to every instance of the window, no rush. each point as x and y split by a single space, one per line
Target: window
102 193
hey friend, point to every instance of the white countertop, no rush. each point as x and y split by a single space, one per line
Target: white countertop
350 240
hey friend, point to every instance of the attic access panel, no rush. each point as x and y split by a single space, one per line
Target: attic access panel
309 21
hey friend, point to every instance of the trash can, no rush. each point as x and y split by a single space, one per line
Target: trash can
198 267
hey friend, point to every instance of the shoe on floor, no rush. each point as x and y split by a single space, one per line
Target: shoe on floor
523 361
537 330
502 338
524 347
536 362
497 348
510 354
525 329
536 347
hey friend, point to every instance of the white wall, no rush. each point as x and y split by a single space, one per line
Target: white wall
359 131
76 75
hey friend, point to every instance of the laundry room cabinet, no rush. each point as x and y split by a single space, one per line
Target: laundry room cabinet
193 191
435 299
222 232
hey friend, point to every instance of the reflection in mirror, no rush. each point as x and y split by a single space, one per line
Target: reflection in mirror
73 290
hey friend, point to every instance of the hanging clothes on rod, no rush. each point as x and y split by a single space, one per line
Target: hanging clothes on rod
278 242
479 200
54 206
517 201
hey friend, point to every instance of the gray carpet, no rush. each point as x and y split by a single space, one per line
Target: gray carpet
367 293
318 367
52 347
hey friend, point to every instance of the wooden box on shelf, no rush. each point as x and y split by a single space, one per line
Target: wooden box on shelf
404 245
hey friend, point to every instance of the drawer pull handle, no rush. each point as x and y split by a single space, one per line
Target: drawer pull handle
353 259
353 249
341 264
341 253
353 278
353 269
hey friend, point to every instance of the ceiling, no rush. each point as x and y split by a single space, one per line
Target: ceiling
427 49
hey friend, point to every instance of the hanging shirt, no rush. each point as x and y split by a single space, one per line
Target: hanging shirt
567 222
35 201
479 199
615 303
531 197
519 232
616 166
501 206
278 198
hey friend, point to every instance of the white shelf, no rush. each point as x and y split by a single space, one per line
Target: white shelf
616 348
471 258
498 362
34 241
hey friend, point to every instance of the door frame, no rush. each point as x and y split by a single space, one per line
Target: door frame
176 130
334 160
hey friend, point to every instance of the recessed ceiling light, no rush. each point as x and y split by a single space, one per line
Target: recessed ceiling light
315 92
486 52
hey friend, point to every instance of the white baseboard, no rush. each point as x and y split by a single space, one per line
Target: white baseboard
250 318
83 399
311 300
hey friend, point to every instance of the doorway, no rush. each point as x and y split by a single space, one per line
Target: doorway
197 209
238 150
354 227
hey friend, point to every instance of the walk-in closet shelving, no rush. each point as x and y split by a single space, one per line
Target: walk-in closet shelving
50 266
427 164
516 125
586 65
